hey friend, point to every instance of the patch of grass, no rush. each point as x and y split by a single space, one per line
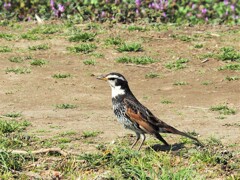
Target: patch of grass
114 41
82 36
45 29
89 62
180 83
232 78
66 106
166 101
223 109
13 115
207 83
82 48
87 134
233 67
4 49
18 70
10 162
16 59
182 37
64 140
38 62
7 36
208 55
97 55
136 60
61 76
229 54
9 126
178 64
39 47
136 28
198 46
130 47
67 133
152 75
30 36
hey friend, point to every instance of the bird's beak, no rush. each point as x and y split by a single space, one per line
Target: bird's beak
102 77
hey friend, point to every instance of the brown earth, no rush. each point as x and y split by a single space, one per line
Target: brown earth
36 94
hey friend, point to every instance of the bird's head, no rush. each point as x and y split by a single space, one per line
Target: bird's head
117 82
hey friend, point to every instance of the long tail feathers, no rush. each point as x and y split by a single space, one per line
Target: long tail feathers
170 129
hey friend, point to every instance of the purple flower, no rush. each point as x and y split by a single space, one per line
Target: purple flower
193 6
137 12
138 3
225 2
206 19
52 3
232 7
164 14
7 6
103 14
61 8
204 11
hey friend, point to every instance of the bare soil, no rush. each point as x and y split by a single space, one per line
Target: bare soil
35 95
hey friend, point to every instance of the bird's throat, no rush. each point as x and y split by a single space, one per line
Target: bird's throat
116 91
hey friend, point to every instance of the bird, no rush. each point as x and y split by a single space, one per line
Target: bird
135 116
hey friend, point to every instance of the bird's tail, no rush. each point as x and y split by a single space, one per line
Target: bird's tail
170 129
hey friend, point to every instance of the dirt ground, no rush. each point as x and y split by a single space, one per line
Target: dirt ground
35 95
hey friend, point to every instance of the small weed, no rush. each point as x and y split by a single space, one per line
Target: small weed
38 62
61 76
39 47
84 37
89 62
67 133
229 54
97 55
180 83
114 41
66 106
83 48
232 78
130 47
233 67
64 140
87 134
182 37
16 59
45 29
136 60
178 64
223 109
208 55
152 75
30 36
7 36
136 28
13 115
198 46
4 49
207 83
12 126
18 70
166 102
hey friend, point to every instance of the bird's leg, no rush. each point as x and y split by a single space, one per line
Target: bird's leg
137 138
160 138
144 137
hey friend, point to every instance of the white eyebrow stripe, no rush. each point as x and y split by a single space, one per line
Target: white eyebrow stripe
115 76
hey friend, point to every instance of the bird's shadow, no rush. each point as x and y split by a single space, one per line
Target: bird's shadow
159 147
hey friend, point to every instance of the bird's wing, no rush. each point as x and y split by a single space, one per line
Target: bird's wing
142 116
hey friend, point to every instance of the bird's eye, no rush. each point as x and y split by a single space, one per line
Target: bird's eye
111 79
